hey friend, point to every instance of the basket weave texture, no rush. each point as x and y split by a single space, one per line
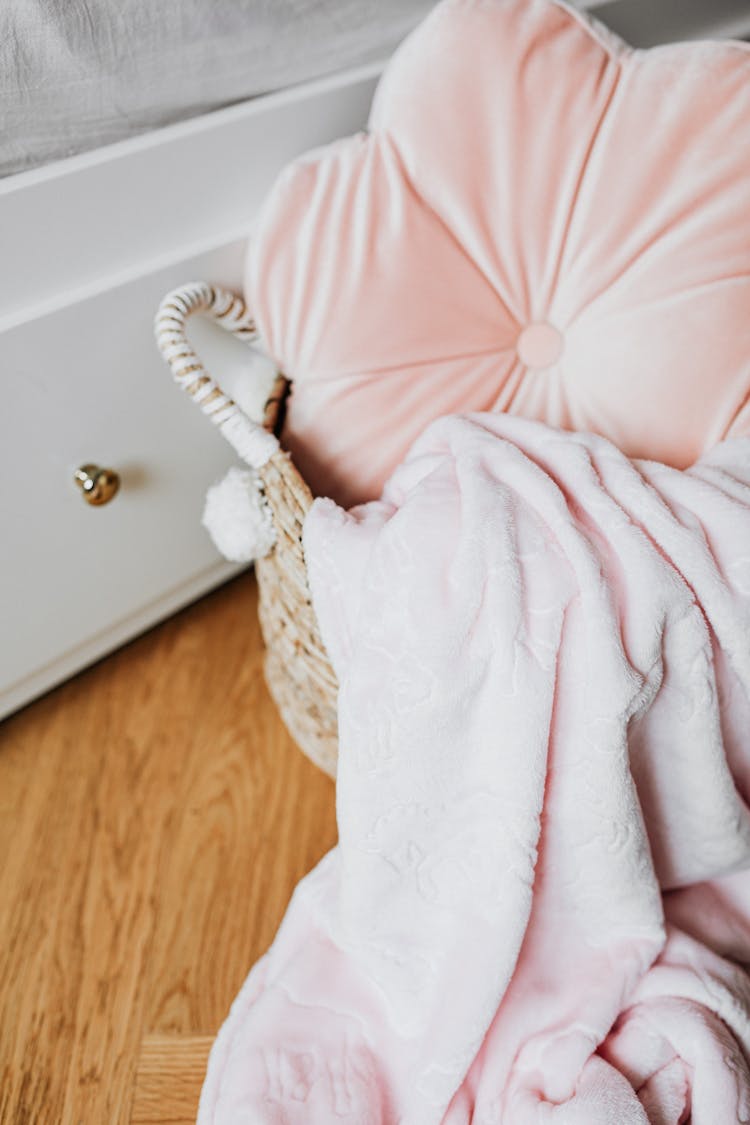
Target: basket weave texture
297 669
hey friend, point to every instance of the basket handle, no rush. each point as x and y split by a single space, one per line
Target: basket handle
255 444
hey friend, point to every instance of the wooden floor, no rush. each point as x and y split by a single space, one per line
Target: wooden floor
154 818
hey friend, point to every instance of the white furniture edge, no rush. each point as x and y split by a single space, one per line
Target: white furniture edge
62 224
80 657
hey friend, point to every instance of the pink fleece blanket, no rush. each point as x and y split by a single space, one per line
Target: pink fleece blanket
538 909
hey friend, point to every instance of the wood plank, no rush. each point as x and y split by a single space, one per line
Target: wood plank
154 819
169 1079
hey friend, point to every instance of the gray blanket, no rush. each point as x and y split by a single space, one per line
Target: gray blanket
76 74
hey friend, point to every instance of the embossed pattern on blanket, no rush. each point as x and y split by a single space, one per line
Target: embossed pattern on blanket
539 908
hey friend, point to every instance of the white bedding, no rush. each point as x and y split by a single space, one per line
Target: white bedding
76 74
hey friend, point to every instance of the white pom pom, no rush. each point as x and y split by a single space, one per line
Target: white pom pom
238 518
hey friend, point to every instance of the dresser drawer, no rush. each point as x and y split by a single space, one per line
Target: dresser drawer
86 384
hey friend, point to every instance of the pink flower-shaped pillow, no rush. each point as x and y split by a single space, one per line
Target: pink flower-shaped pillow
539 220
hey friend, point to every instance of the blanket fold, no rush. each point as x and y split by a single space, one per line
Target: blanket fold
538 909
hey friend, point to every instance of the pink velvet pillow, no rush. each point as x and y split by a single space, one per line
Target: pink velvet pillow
540 220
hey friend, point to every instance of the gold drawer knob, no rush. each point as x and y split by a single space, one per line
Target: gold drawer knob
98 486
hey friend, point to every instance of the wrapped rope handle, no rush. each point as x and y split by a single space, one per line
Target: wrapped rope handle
297 667
256 444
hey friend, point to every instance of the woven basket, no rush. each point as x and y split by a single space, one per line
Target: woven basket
297 670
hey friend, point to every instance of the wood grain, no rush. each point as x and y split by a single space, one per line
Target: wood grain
169 1079
154 819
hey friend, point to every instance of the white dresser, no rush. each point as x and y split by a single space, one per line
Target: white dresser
88 248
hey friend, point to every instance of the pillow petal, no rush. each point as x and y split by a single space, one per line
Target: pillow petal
351 273
655 278
494 106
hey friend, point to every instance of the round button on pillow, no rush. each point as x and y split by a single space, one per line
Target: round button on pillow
540 220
